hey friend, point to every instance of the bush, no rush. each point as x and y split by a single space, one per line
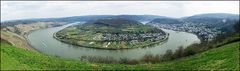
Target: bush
150 58
128 61
167 56
237 27
108 60
179 52
99 59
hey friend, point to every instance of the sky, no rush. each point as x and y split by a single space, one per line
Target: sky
12 10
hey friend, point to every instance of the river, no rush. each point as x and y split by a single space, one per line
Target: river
43 41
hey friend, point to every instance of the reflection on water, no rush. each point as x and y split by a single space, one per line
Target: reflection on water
44 42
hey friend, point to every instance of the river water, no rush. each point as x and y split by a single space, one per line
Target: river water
43 41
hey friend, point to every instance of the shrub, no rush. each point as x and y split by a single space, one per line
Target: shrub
128 61
167 56
99 59
179 52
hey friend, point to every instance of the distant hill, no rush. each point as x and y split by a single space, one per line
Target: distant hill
165 21
213 18
214 15
140 18
84 18
95 17
220 20
223 21
113 22
118 25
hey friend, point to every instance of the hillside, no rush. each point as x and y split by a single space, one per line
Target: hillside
139 18
112 34
111 23
17 33
221 21
214 20
165 21
215 15
225 58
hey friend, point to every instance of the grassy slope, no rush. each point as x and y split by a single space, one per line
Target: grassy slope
224 57
15 39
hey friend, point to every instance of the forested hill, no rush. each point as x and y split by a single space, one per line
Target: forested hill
166 21
114 22
215 20
208 19
222 21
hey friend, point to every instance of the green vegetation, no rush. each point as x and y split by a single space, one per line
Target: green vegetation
220 54
237 27
169 54
112 34
225 57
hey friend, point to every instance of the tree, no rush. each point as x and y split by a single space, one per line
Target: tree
237 27
179 52
167 56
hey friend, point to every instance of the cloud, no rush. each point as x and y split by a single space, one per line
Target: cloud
11 10
199 7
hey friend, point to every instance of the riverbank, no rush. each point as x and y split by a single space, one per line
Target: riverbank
47 44
17 34
140 46
220 58
16 40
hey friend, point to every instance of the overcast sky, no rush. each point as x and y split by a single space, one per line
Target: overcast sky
46 9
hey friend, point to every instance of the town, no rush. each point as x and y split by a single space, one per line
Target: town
136 36
201 30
